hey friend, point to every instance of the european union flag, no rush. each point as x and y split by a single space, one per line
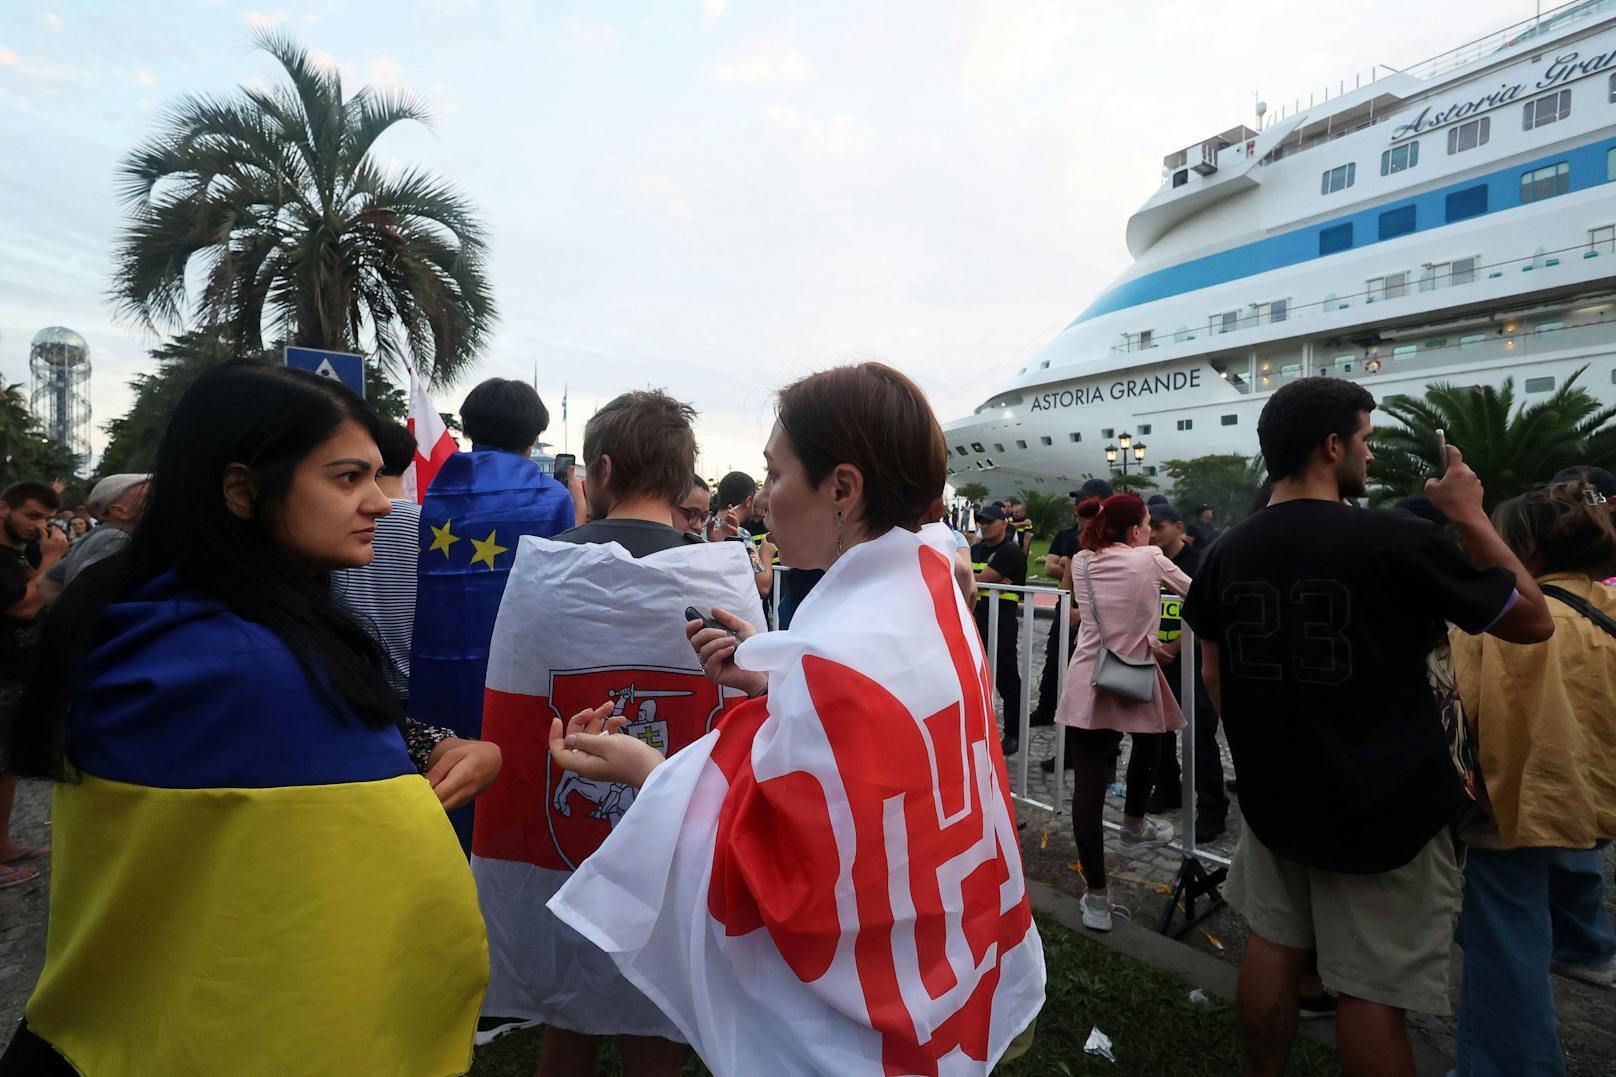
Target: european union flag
477 508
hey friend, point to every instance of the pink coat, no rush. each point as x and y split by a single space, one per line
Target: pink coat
1127 583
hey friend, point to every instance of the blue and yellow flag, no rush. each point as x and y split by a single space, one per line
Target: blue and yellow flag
246 880
477 508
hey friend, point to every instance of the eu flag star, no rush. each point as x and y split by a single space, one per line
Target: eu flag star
442 540
487 550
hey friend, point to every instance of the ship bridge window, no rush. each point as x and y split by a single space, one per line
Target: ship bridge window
1074 437
1186 424
1602 239
1400 158
1337 238
1540 385
1020 444
1462 205
1541 183
1397 222
961 450
1229 420
976 446
1046 440
998 446
1546 110
1339 178
1467 136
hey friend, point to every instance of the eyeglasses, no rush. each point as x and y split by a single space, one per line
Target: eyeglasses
690 515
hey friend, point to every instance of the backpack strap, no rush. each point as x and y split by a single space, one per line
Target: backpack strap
1581 605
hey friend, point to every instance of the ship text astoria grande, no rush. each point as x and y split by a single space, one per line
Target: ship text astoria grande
1453 222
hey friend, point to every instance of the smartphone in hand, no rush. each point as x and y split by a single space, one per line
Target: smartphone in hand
693 614
1441 452
564 463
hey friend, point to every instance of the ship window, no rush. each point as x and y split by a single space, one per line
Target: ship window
1044 365
1472 341
1145 337
1337 238
976 446
1144 428
1602 239
1397 222
998 446
1108 431
1075 437
1391 286
1339 178
1186 424
1399 158
1610 164
1150 469
1229 420
1613 87
1548 329
1540 385
1278 309
1290 370
1181 177
961 450
1046 440
1226 322
1546 110
1020 444
1470 202
1464 270
1467 136
1405 351
1542 183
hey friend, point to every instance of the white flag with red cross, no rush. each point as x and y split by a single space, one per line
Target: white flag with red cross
433 443
830 882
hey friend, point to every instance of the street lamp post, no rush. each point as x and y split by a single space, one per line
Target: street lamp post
1122 451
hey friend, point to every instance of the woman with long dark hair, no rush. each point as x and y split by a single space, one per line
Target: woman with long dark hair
249 871
1116 581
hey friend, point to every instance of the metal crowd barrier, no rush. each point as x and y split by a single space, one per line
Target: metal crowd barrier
1186 839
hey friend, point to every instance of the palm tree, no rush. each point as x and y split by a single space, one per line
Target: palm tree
1511 449
275 192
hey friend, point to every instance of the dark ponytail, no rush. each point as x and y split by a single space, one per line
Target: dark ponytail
267 418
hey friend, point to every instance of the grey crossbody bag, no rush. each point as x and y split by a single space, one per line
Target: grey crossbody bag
1129 678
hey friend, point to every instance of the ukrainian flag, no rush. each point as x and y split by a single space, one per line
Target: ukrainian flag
245 879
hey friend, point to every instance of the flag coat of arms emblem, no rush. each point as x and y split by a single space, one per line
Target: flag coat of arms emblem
581 625
830 881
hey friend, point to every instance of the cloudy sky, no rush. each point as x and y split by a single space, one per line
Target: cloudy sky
715 196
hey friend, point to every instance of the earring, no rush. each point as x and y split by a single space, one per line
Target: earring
838 534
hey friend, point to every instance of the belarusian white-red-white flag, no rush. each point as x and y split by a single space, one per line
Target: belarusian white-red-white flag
433 443
830 882
580 625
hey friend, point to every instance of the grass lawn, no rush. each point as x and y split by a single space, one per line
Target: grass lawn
1154 1028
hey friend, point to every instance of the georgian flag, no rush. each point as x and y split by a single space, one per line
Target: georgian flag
433 444
830 881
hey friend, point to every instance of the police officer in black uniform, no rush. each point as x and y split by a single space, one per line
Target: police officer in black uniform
998 558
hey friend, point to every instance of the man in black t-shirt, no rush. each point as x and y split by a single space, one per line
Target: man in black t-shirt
25 512
997 558
1315 620
1211 800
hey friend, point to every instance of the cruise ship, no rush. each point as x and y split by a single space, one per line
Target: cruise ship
1452 222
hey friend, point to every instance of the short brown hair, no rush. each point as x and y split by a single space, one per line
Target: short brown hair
19 494
648 436
874 418
1559 528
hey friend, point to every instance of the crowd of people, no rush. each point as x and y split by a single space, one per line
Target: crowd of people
252 658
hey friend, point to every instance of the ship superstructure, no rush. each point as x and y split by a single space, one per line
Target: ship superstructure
1454 222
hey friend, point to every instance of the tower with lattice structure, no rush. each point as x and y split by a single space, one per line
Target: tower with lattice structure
59 366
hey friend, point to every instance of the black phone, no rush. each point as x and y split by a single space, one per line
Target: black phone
564 463
693 614
1441 452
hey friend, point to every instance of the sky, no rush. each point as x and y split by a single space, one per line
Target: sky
709 196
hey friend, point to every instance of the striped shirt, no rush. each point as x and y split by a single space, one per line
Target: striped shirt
382 594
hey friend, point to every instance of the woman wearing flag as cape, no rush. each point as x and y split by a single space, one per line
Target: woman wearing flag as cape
829 882
251 875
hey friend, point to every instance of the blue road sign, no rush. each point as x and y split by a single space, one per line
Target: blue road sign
342 366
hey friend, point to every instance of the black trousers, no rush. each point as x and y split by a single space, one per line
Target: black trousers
30 1056
1094 766
1211 799
1043 712
1007 663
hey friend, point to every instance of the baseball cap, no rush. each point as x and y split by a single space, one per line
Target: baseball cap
1158 499
1597 477
110 489
1203 506
990 512
1163 510
1093 488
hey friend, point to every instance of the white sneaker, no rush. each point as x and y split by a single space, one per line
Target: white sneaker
1096 913
1155 836
1598 975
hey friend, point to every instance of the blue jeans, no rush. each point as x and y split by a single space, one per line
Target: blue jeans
1522 909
